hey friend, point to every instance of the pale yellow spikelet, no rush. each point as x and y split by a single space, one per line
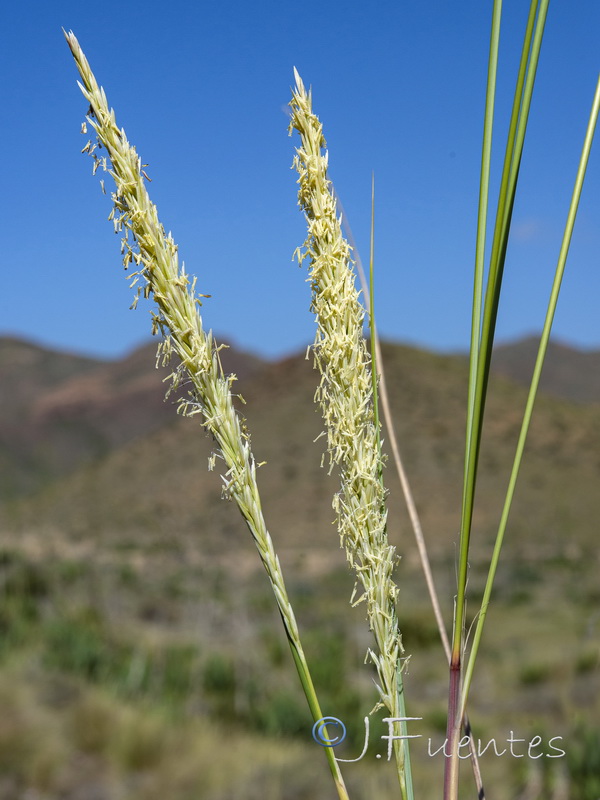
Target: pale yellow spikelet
346 397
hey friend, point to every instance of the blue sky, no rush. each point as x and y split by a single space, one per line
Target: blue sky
201 89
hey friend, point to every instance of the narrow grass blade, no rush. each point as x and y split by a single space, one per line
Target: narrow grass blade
454 720
581 171
482 339
508 186
468 487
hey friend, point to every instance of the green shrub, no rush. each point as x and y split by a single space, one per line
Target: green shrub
25 585
534 673
588 661
284 715
179 671
82 644
583 763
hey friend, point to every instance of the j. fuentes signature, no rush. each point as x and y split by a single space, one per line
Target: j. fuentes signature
331 731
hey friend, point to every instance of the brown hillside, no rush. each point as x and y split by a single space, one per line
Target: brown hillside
157 489
568 373
59 411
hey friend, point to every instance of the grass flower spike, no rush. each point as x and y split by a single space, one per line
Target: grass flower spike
146 245
345 395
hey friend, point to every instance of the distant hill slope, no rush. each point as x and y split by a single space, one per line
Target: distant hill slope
59 411
28 370
568 373
29 373
154 492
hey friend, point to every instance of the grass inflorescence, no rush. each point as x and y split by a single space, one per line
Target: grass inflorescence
146 244
347 400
